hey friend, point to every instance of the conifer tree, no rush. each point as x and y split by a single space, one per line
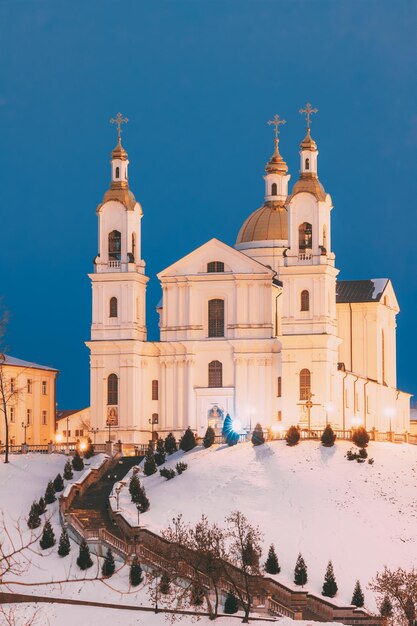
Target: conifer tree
41 505
48 536
165 584
108 566
271 563
149 467
249 555
230 436
58 483
360 437
84 558
188 441
258 435
160 453
358 599
231 604
143 500
34 521
386 608
293 436
329 585
64 546
68 474
328 437
134 488
209 437
300 571
77 462
197 594
135 574
50 493
170 444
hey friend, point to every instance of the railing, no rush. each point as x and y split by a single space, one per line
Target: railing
276 608
305 256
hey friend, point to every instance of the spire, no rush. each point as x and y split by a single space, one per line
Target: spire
276 164
119 162
308 142
119 152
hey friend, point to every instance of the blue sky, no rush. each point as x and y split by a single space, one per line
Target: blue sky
198 80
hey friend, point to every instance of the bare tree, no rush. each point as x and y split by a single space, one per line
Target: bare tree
12 616
400 586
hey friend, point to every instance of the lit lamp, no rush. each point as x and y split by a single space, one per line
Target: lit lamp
329 408
58 438
356 422
390 413
82 446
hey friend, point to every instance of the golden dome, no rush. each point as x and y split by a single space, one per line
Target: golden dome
268 223
122 195
308 142
276 164
119 152
309 183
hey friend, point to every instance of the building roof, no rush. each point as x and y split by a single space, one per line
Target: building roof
268 223
369 290
11 360
64 413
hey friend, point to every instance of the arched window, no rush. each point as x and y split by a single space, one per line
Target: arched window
274 189
305 236
216 318
112 390
305 384
117 172
113 307
115 244
215 266
305 300
215 374
307 164
155 390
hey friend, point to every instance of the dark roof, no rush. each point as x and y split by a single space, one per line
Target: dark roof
66 413
11 360
369 290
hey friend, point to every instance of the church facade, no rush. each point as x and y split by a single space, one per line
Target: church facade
260 330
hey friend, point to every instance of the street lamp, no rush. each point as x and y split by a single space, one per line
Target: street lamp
329 410
138 508
153 420
24 426
94 431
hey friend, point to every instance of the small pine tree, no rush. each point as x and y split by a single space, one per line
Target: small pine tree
229 435
271 563
293 436
197 595
135 573
58 483
77 462
64 546
170 444
108 566
165 584
50 493
84 559
89 451
160 453
41 505
48 536
300 572
249 555
231 604
329 585
188 441
328 437
34 521
142 500
134 488
149 467
209 437
358 599
360 437
386 608
258 435
167 473
68 474
181 467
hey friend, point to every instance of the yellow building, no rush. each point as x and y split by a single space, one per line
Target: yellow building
30 392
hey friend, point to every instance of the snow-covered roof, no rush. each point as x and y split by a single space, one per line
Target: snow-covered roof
369 290
11 360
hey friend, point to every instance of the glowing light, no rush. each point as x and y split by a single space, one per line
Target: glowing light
83 446
236 425
356 421
58 438
277 428
329 407
389 411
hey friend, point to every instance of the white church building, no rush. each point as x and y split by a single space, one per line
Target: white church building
255 330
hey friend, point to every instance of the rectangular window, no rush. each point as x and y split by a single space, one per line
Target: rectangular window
44 387
64 433
279 387
29 385
12 415
279 416
155 390
215 266
44 418
12 385
29 417
216 318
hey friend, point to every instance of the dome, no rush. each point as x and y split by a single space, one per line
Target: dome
119 152
268 223
124 196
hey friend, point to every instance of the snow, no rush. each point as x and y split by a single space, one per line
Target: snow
306 499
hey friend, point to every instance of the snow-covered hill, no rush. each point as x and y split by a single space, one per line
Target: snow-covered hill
306 499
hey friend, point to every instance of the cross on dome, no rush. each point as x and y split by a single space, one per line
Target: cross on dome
276 122
119 120
308 111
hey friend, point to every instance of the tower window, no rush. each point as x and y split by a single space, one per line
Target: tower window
44 418
12 417
305 236
305 384
117 172
216 318
274 189
279 387
305 300
215 266
155 390
44 387
112 390
115 245
133 246
113 307
215 374
307 164
28 417
29 385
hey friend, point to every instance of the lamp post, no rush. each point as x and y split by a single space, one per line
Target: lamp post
153 420
94 431
118 490
138 508
67 435
24 426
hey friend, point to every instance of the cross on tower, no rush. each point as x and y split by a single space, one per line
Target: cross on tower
308 113
276 122
119 120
